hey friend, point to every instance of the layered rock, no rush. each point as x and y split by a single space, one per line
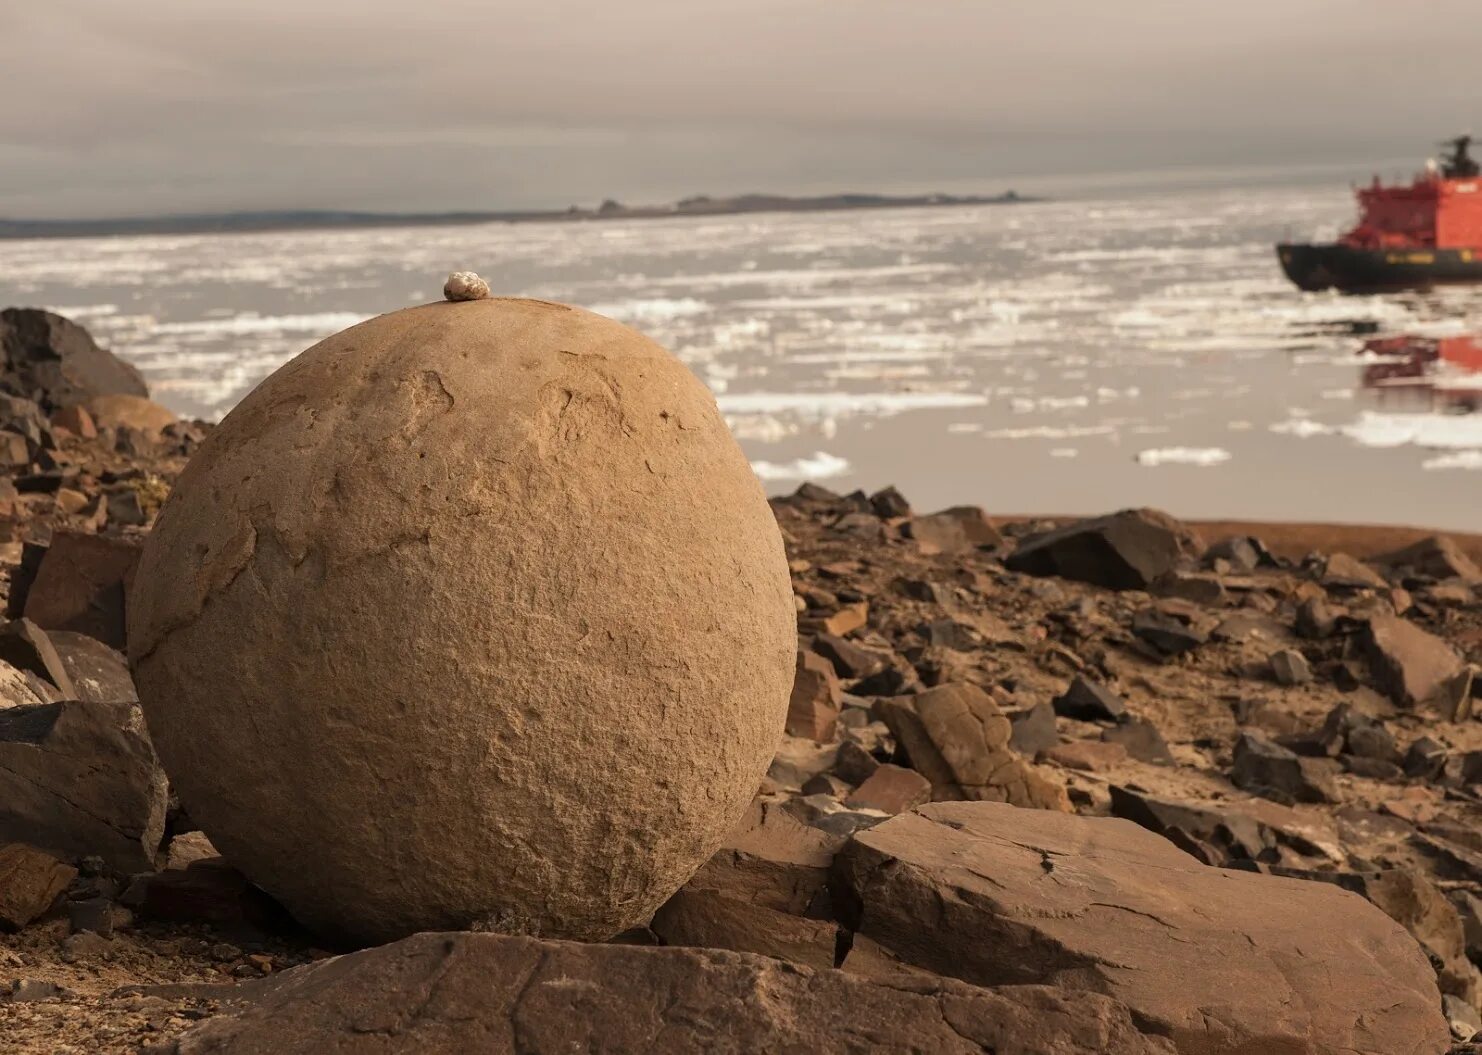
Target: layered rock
1217 961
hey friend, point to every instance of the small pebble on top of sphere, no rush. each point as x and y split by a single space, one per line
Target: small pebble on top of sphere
465 285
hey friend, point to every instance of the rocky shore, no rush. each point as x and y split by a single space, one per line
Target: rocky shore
1115 785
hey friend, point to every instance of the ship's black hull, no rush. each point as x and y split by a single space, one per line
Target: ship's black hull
1349 270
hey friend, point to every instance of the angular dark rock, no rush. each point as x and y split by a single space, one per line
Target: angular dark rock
97 672
209 891
25 646
1290 667
80 585
816 697
888 504
80 779
1142 739
1223 835
1315 619
1220 962
1166 633
1242 553
1034 729
1090 701
1409 664
960 529
1425 759
1437 557
1345 573
1123 551
1271 770
854 764
53 361
436 994
30 883
850 661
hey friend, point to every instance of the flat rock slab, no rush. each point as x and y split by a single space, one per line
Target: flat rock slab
447 994
1218 961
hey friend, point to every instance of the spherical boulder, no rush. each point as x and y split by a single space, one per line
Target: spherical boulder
471 615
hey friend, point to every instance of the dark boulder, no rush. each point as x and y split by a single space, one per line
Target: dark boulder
1123 551
54 361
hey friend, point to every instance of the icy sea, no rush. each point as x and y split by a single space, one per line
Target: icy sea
1073 356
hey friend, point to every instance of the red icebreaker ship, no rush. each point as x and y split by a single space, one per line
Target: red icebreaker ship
1408 237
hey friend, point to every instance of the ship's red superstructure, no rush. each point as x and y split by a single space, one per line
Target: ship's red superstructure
1433 212
1427 233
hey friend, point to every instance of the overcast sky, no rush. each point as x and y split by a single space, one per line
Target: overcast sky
163 106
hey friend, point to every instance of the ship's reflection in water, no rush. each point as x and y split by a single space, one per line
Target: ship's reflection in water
1438 374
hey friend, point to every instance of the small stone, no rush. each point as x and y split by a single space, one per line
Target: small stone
1090 701
1315 619
854 764
849 659
1272 771
187 848
76 420
30 883
1461 1016
889 504
1034 730
85 946
1142 739
465 285
960 529
1090 756
891 789
1166 633
1290 667
813 708
827 784
1425 759
847 619
93 915
1346 573
31 990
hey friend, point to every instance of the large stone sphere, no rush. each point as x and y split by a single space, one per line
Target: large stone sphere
471 615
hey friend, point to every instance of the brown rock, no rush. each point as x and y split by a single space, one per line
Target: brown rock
1123 551
813 707
1090 756
771 859
30 883
441 994
891 789
96 672
1218 961
707 919
80 779
846 620
536 481
76 420
1412 901
1346 572
958 739
26 647
1409 664
80 585
1437 557
960 529
849 659
133 412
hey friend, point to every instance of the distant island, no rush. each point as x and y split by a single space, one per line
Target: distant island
314 219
